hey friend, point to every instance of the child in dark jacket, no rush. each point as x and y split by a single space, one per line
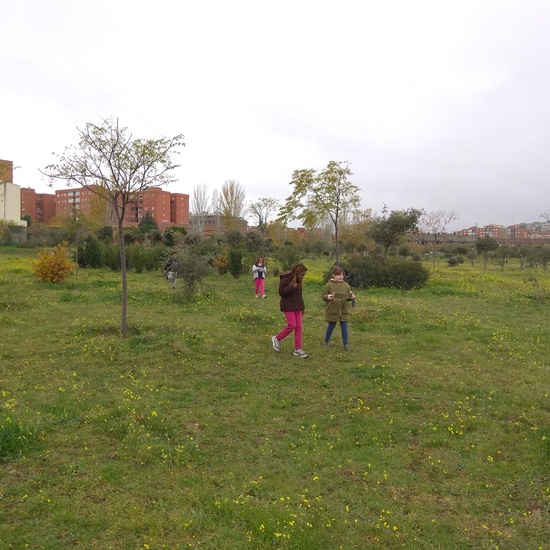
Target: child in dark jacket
337 294
171 269
292 305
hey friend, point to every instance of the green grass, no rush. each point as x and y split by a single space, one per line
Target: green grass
434 433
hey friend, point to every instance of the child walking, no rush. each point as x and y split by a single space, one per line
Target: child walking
171 269
260 271
337 294
292 305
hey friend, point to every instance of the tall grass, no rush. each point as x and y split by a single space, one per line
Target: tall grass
193 433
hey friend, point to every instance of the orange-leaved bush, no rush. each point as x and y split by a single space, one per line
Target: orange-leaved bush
53 266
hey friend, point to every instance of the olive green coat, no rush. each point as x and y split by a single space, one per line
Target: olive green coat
337 309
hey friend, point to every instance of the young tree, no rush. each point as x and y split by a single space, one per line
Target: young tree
148 223
78 226
484 245
389 229
353 235
471 255
200 204
260 211
276 232
502 254
231 203
434 223
110 162
324 195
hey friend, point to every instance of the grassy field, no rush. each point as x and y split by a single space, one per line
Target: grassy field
434 433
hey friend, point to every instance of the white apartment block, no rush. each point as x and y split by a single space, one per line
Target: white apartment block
10 204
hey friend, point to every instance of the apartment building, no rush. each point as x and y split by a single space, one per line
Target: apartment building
179 209
495 231
69 200
166 208
523 232
213 224
10 196
39 206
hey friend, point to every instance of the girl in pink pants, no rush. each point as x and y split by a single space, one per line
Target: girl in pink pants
260 271
292 305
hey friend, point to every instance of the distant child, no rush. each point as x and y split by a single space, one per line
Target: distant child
170 269
292 305
260 271
337 294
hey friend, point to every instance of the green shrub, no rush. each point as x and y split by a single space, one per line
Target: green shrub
135 257
111 256
274 268
235 263
144 258
191 269
395 273
89 253
105 234
287 256
453 261
404 275
364 272
153 257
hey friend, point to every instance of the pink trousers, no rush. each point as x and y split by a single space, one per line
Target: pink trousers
293 323
259 285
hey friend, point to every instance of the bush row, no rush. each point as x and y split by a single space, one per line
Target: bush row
95 253
365 272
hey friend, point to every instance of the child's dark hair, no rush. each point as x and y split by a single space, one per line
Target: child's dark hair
338 271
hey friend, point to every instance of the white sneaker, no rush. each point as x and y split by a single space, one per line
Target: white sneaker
276 343
300 353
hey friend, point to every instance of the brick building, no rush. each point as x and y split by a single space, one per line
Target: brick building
213 224
69 200
179 209
166 208
39 206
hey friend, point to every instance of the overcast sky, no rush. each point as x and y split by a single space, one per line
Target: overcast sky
440 105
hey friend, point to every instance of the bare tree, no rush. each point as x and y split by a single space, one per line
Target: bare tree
434 223
200 204
109 162
231 203
260 211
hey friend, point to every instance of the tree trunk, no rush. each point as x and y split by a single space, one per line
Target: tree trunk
124 299
336 242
